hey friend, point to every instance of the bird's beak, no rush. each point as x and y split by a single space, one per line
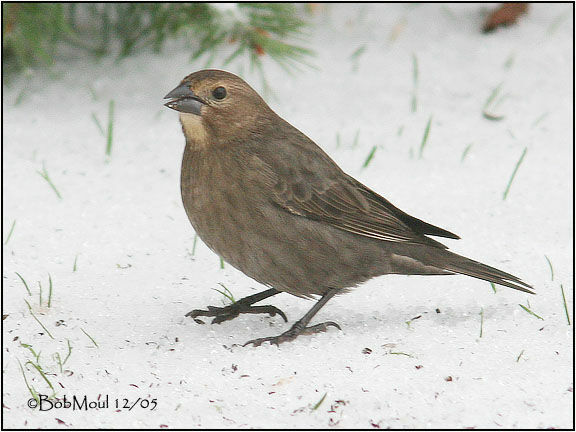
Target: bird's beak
184 100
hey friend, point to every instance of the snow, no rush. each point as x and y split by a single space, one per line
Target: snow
122 220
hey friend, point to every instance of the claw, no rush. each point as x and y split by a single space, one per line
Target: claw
320 328
223 317
279 312
230 312
196 312
293 333
270 310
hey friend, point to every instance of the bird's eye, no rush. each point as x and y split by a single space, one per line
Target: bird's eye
219 93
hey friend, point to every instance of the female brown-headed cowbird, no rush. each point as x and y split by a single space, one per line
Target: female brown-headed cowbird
270 202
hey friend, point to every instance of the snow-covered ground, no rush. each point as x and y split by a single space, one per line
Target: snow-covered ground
414 352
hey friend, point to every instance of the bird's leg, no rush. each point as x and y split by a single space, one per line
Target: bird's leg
243 305
299 327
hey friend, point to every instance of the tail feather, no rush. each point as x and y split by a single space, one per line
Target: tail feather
459 264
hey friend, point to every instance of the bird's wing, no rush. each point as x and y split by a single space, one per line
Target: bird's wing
307 183
381 204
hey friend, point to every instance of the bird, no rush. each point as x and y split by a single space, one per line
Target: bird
273 204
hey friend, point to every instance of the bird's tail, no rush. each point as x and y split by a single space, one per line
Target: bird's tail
459 264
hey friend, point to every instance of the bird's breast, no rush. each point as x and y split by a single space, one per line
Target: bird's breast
216 201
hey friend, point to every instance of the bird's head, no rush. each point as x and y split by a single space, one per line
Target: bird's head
218 108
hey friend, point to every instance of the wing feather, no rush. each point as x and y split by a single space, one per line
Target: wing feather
307 183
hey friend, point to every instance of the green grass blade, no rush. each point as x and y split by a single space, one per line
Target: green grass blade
493 94
69 352
33 392
24 282
465 152
514 173
43 375
38 321
369 157
425 137
44 174
355 57
540 119
530 312
226 293
98 124
56 355
509 61
49 290
90 337
551 268
194 244
110 131
356 139
565 306
10 233
317 405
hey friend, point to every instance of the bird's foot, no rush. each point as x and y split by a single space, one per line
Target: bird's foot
229 312
295 331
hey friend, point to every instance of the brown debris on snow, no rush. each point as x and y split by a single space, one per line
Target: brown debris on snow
507 14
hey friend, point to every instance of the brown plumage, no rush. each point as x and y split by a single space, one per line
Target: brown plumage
270 202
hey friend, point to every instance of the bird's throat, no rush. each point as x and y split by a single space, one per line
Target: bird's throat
194 130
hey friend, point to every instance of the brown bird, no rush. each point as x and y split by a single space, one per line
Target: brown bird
270 202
